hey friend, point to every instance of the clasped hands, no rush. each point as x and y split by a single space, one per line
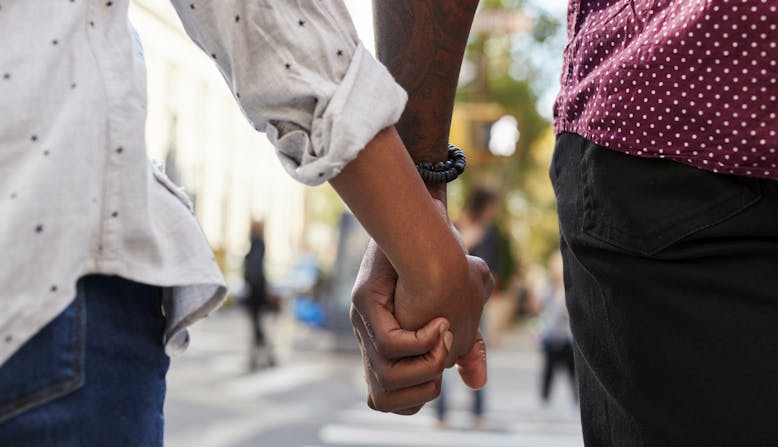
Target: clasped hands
409 331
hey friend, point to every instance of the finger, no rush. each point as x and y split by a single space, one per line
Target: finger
410 371
415 370
413 410
376 277
491 283
409 411
472 366
390 340
402 401
485 275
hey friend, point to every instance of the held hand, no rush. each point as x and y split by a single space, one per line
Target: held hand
459 299
456 288
403 368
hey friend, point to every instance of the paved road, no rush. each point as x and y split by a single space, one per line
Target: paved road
315 398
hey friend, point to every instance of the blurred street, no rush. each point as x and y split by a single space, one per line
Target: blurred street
315 398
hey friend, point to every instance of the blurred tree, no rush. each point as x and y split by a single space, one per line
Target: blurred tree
513 59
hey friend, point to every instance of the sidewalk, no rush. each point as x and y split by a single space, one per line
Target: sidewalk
315 398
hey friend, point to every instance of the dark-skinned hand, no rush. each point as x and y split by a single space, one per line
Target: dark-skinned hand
404 368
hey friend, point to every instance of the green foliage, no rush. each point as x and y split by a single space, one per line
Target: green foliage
529 217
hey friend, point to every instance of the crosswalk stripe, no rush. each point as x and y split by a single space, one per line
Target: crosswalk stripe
359 436
507 419
277 381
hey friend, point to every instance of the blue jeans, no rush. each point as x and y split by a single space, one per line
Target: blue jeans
441 409
95 375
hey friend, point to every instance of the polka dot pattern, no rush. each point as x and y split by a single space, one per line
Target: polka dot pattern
77 193
693 81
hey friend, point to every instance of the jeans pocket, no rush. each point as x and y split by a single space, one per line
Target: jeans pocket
48 366
645 205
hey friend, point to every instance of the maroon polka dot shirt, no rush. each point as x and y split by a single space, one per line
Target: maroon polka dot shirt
693 81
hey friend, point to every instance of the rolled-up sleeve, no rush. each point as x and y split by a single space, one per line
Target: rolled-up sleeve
301 75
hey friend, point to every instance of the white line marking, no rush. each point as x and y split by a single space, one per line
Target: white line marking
341 434
225 433
277 381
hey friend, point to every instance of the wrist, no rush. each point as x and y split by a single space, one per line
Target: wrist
421 294
438 192
437 267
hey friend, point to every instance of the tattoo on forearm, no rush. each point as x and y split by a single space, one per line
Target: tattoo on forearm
422 42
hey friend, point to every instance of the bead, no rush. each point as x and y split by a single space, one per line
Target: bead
443 171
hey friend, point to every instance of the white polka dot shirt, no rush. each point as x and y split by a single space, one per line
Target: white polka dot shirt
77 192
694 81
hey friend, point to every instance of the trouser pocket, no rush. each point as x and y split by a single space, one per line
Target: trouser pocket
643 205
48 366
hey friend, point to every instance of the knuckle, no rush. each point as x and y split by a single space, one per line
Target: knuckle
436 389
437 363
389 381
381 403
484 267
409 411
426 340
369 365
381 345
490 282
382 374
359 341
359 294
353 315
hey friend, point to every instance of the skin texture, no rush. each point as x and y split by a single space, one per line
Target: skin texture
408 332
422 43
432 278
403 368
435 277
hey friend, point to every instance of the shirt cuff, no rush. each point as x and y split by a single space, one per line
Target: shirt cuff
366 101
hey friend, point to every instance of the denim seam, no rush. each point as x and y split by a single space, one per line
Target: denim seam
59 389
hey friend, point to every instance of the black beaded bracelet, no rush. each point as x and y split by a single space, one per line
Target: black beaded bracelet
443 171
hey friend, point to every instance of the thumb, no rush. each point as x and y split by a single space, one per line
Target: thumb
376 274
472 366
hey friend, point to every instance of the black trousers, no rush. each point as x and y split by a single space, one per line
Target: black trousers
556 356
672 287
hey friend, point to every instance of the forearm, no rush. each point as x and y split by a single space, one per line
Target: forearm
386 194
422 43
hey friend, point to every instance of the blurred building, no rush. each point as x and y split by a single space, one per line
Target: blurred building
230 170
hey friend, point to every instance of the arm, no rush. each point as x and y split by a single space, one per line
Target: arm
423 44
384 191
321 102
299 72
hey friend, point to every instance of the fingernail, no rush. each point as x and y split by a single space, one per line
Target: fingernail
448 340
443 328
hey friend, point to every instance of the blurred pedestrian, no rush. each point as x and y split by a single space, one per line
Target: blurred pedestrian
482 238
261 354
104 266
477 225
556 340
